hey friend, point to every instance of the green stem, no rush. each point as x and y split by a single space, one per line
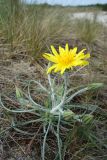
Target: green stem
44 142
52 91
58 137
58 107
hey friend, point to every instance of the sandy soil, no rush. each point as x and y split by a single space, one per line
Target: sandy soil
100 16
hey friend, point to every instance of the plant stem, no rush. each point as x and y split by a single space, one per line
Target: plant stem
58 138
52 91
76 93
58 107
44 142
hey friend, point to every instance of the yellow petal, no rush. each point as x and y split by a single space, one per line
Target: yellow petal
50 57
66 47
84 63
46 55
74 50
81 55
54 50
51 68
61 50
72 54
82 51
87 55
62 71
57 69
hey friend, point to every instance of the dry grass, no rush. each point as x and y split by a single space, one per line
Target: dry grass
35 28
88 30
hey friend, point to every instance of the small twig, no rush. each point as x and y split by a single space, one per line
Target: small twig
17 144
31 141
7 129
11 101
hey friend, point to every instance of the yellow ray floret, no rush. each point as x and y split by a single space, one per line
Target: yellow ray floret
66 59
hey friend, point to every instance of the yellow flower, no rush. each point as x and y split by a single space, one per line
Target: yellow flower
66 59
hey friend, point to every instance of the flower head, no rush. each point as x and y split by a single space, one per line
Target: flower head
66 59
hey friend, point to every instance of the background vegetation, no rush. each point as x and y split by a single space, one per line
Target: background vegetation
26 32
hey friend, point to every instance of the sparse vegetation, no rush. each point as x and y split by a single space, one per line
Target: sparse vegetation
26 32
88 30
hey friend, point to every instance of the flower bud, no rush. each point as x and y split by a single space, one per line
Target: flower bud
95 85
18 93
68 114
87 118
